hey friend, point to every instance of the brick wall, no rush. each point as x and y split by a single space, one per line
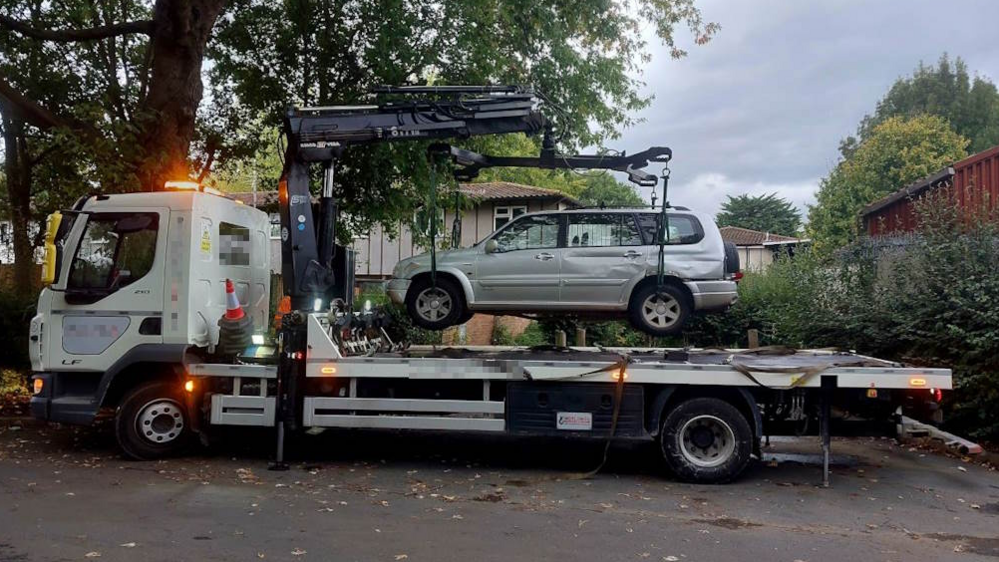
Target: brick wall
479 330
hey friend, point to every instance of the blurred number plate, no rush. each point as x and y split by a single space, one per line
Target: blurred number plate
574 421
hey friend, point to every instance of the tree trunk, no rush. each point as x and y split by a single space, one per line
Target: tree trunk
181 30
17 169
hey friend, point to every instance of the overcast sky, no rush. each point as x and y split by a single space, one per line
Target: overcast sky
762 107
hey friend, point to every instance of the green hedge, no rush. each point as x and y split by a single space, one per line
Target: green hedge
930 299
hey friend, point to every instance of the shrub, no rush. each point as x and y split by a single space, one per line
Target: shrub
15 318
928 298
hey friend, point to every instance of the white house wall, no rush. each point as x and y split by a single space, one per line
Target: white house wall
377 253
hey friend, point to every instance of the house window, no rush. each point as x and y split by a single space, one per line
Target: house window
505 214
275 226
422 221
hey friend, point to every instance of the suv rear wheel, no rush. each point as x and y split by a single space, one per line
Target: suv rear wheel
659 313
435 308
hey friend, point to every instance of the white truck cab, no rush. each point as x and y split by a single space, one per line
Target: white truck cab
136 280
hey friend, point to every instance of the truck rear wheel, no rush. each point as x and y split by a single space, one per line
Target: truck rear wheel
706 441
151 422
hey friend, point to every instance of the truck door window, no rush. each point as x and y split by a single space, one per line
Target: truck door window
683 229
529 233
115 251
603 229
234 244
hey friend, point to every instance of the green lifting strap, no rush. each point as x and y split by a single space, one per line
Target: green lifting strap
433 222
456 223
663 234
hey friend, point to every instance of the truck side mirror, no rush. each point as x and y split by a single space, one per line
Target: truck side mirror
492 247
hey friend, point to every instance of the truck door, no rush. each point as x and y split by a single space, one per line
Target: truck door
109 298
603 253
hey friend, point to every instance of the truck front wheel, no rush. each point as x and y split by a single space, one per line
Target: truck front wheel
706 441
151 422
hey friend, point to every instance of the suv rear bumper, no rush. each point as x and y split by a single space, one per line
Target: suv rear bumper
713 295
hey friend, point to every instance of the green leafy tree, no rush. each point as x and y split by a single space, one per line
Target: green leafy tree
898 151
583 57
601 188
970 105
766 213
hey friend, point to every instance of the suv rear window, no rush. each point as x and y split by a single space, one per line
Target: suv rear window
602 229
683 229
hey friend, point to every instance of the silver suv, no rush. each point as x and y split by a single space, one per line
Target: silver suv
588 262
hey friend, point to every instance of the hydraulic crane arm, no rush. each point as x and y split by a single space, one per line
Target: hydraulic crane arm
321 134
418 113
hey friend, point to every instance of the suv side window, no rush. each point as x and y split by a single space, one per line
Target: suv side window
115 251
601 230
683 229
529 233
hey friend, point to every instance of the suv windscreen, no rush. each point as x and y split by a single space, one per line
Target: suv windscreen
602 229
115 251
529 233
683 229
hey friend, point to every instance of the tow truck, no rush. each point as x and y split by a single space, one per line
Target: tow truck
128 323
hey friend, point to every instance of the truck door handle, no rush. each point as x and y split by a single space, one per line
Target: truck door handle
632 254
544 256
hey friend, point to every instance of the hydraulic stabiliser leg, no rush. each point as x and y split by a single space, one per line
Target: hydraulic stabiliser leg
825 413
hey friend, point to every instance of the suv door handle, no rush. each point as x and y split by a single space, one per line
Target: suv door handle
544 256
632 254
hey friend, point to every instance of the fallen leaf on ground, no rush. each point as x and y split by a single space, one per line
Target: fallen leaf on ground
297 552
127 545
401 556
93 554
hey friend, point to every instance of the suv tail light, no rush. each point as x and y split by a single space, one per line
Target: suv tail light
737 276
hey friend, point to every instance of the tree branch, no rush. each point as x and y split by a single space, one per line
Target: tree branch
34 113
70 35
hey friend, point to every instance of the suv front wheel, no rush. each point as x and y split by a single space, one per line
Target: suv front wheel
659 313
435 307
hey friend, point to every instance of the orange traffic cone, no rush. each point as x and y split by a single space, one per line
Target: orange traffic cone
233 311
235 327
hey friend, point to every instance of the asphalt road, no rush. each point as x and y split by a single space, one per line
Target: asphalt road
65 494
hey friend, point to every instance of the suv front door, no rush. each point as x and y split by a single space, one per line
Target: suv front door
525 266
603 253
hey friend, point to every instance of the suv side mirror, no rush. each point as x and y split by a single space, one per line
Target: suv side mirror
492 246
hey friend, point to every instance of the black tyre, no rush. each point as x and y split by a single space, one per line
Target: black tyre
152 422
706 441
659 313
435 308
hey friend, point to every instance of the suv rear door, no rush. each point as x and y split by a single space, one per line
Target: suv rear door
603 253
684 254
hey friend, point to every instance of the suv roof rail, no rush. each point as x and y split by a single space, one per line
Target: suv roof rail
635 207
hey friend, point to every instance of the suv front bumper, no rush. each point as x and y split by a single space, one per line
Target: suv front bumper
713 295
396 289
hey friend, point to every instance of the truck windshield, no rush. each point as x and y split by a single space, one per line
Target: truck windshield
115 251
